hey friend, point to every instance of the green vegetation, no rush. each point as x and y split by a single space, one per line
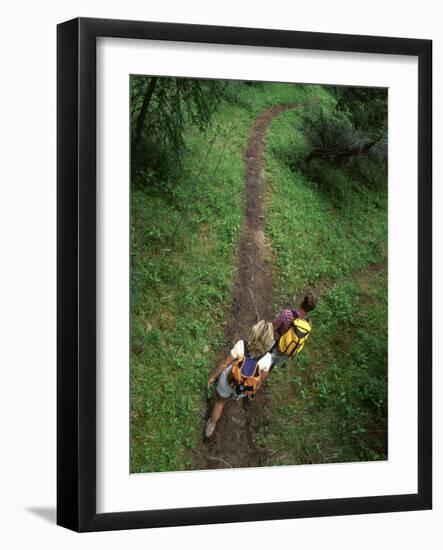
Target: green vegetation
328 228
183 238
325 222
318 233
331 405
161 111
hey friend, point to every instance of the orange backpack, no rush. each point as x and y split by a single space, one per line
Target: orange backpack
245 376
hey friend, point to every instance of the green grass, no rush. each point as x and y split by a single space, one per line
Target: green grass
330 406
313 236
182 265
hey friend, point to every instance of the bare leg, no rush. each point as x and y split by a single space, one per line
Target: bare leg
218 409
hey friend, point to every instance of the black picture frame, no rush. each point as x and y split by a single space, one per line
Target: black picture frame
76 279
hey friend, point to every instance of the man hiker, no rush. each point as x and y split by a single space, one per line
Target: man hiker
292 328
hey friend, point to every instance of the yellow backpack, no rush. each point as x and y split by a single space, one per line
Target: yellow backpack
293 340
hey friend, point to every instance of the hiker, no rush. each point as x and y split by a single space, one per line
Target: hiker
243 371
292 328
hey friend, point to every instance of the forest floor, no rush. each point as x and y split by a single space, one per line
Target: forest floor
256 230
251 301
233 444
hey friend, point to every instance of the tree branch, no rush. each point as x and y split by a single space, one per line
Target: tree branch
144 109
335 155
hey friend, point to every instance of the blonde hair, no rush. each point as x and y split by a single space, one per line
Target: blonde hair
261 338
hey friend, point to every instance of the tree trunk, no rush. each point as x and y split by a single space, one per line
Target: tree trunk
144 109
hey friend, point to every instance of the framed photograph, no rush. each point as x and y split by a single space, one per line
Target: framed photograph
244 274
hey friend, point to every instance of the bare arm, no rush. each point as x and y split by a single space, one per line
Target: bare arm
220 368
263 376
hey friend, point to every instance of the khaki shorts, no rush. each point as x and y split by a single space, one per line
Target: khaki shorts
224 389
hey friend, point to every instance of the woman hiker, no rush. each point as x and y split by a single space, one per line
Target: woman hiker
243 371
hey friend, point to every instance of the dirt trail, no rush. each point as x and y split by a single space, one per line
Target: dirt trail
233 445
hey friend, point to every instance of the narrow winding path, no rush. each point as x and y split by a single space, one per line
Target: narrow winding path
233 444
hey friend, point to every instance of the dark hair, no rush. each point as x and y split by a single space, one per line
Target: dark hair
309 302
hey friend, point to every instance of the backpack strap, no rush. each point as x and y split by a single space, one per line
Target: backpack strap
248 359
238 380
297 316
247 354
246 349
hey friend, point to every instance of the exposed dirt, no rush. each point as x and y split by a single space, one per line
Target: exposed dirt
233 444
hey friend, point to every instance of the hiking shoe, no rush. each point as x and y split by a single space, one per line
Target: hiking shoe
210 427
